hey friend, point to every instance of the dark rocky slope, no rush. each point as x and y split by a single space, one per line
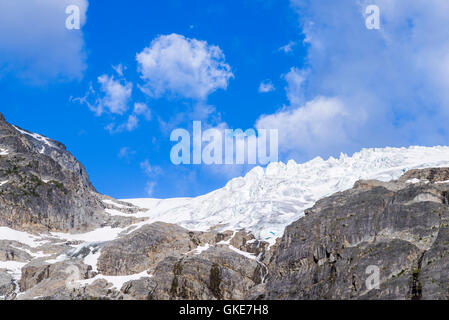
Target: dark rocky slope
42 186
402 228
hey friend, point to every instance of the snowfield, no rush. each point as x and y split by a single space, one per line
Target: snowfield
265 201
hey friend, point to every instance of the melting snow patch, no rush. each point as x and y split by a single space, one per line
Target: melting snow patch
114 212
243 253
19 236
38 137
115 204
2 183
413 181
116 281
92 259
199 249
3 152
13 267
97 235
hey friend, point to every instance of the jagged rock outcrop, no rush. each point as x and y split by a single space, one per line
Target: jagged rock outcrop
42 186
401 228
145 248
217 273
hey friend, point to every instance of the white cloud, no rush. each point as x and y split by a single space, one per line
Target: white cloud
266 86
126 153
35 44
142 109
288 47
149 169
116 95
367 88
313 127
149 188
152 172
132 123
120 69
295 80
187 67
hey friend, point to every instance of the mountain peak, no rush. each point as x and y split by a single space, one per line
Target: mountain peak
42 185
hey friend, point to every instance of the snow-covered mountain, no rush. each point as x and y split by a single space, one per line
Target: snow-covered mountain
266 200
54 225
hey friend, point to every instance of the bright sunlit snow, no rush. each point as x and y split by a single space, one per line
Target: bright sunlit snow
265 201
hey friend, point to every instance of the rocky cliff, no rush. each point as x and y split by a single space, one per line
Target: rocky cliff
399 228
61 239
42 185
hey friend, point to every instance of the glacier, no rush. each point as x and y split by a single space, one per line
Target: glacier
266 200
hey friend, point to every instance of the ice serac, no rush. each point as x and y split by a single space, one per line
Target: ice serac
266 200
42 186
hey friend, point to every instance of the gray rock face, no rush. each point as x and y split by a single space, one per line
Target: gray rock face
399 228
217 273
9 252
144 248
7 285
43 186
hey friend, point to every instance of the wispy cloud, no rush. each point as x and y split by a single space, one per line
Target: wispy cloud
152 172
266 86
126 153
288 47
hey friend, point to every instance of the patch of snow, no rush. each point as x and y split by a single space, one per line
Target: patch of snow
19 236
243 253
2 183
116 281
38 137
92 259
59 258
115 204
38 254
199 249
14 268
97 235
114 212
413 181
3 152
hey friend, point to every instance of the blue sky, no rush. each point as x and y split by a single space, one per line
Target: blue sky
308 68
